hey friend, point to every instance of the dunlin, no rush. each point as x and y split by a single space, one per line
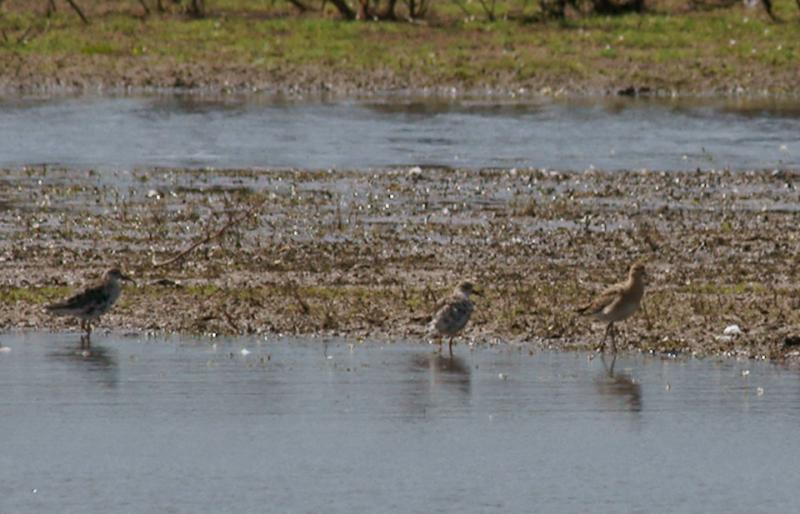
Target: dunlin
92 302
452 313
617 303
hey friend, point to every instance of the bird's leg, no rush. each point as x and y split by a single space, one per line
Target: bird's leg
613 338
450 345
605 336
83 330
609 369
88 333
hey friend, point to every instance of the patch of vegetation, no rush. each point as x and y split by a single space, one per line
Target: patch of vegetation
32 295
253 43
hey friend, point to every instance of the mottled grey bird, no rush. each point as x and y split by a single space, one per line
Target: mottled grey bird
92 302
452 313
617 303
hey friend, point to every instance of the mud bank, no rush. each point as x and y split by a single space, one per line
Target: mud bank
368 254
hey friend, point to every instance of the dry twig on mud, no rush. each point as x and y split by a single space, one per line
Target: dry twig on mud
216 235
79 11
231 321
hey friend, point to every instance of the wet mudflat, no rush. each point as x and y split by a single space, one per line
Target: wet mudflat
262 131
355 254
181 425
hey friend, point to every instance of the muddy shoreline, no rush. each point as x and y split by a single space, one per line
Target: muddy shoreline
23 73
77 75
367 254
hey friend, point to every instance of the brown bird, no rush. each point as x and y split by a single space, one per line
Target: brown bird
92 302
617 303
452 313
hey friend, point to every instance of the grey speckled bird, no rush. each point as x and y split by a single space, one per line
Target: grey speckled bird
618 302
452 313
92 302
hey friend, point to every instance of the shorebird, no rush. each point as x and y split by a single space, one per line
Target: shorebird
92 302
452 313
617 303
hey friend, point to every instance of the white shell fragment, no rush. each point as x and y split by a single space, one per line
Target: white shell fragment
732 330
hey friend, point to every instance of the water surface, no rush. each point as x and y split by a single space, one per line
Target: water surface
144 425
190 131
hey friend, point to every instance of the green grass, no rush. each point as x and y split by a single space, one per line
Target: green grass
722 45
32 295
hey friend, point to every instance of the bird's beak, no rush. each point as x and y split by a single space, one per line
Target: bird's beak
477 292
127 279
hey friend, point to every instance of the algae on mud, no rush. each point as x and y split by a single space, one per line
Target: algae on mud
368 254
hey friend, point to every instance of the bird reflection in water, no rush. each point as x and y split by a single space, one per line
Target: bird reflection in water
620 385
98 363
437 381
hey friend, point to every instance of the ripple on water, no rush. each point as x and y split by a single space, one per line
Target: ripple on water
183 131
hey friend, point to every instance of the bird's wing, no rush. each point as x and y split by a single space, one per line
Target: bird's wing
601 301
93 295
454 310
425 318
442 305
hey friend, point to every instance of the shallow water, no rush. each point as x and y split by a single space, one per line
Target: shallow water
194 131
145 425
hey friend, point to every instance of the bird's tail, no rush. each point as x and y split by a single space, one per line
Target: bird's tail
58 309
